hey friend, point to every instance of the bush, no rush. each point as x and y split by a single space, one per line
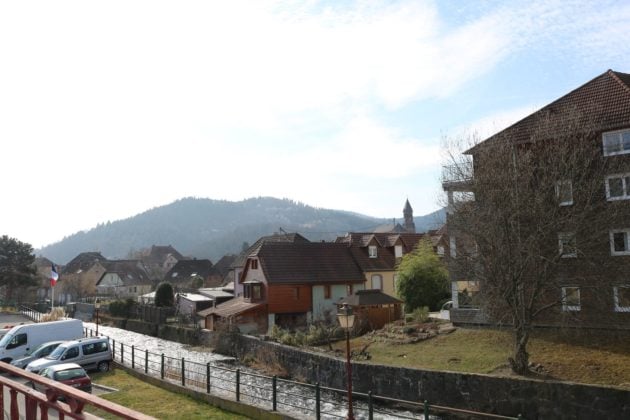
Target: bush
121 308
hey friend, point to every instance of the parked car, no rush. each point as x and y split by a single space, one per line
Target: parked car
66 373
91 353
38 352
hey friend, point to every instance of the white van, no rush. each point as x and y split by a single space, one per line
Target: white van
91 353
22 338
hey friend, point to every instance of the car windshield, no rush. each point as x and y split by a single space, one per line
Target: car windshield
5 340
56 353
31 352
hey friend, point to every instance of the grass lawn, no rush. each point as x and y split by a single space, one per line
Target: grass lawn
578 356
154 401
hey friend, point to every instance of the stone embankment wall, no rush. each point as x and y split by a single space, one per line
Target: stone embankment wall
167 332
533 399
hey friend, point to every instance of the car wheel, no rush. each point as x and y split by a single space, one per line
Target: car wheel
102 366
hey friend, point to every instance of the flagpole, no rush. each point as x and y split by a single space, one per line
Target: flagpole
52 300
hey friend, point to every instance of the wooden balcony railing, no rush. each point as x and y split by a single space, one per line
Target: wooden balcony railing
20 401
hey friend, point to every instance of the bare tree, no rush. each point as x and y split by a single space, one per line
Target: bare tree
536 235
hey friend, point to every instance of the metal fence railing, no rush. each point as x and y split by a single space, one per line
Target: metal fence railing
273 393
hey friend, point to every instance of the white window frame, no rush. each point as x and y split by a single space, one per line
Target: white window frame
612 242
452 247
571 308
395 281
616 298
559 186
372 251
625 185
619 139
562 236
398 251
440 250
380 279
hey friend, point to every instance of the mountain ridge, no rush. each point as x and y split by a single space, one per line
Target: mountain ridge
208 228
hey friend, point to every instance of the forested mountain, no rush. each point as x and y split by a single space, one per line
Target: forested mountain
206 228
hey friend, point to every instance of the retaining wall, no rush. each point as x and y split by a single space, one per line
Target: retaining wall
534 399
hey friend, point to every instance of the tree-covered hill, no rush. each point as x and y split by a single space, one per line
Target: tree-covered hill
206 228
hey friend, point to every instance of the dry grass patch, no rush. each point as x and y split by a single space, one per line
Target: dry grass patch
571 355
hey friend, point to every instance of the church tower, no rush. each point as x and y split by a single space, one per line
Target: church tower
410 226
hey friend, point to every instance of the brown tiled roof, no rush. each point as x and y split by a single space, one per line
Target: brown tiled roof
368 298
358 242
308 263
230 308
603 101
84 261
184 270
131 272
159 253
276 237
223 265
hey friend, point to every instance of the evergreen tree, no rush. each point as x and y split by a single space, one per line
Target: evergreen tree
422 278
16 265
164 295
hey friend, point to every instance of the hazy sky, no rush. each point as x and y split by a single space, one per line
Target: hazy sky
110 108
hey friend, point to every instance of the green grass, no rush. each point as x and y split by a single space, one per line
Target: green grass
152 400
601 358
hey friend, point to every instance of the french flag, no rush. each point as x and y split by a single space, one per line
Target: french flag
54 276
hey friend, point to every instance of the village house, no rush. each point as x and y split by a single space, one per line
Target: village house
123 279
289 284
190 275
78 278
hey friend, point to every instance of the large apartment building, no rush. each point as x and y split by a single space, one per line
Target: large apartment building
583 239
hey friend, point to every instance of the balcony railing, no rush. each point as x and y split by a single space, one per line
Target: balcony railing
459 173
19 401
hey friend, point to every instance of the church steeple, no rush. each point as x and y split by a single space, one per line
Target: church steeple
410 226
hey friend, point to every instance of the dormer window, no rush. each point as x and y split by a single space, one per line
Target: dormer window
254 265
616 142
372 251
398 251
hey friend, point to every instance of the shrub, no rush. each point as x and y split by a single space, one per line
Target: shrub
421 314
164 295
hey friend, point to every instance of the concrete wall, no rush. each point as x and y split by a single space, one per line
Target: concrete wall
506 396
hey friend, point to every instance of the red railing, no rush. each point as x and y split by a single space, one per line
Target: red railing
27 403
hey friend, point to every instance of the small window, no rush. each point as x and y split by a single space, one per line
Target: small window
440 250
377 282
257 292
372 251
327 291
395 282
622 298
618 187
453 247
567 245
571 299
564 193
398 251
296 293
349 289
254 265
616 142
71 353
619 242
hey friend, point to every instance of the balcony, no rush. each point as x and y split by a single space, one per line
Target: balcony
457 177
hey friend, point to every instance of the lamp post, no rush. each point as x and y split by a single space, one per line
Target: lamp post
346 321
97 306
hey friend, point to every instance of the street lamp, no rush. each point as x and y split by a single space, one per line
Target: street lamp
346 321
97 306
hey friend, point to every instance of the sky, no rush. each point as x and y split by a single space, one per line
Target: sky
108 109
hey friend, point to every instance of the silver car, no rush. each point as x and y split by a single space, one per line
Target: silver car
38 352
